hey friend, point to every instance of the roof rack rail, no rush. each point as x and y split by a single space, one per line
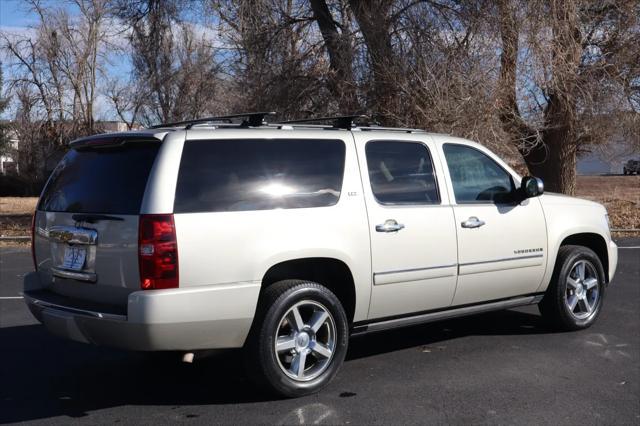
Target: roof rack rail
339 122
391 129
251 119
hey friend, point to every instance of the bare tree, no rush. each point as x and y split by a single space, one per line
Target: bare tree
4 128
73 48
583 66
540 81
276 57
375 21
127 101
54 79
175 70
337 34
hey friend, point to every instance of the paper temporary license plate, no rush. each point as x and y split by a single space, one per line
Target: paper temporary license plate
74 258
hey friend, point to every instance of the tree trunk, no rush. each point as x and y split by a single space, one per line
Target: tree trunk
340 51
373 20
549 153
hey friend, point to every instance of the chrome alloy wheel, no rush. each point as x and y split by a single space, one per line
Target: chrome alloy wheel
305 340
583 292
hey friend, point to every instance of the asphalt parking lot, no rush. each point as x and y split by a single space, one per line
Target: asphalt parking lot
498 368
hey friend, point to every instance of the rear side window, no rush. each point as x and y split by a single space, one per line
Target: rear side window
259 174
100 180
476 178
401 173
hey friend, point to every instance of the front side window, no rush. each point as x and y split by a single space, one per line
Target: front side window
259 174
401 173
476 178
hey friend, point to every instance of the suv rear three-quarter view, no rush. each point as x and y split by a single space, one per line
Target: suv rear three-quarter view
285 239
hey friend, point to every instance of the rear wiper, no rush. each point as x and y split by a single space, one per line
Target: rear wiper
92 218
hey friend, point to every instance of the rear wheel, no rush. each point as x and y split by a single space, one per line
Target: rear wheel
574 298
299 338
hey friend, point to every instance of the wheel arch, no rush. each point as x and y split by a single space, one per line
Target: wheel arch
330 272
593 241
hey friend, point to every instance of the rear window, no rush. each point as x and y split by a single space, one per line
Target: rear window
259 174
100 180
401 173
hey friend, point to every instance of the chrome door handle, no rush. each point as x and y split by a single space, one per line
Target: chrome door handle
389 225
472 222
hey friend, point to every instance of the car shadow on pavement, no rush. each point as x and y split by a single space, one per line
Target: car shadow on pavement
42 376
500 323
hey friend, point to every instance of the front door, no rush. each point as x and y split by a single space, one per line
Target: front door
502 244
411 225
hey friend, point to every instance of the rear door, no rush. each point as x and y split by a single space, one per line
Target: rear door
86 223
413 237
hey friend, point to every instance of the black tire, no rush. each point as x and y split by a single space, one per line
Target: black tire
624 171
266 367
555 308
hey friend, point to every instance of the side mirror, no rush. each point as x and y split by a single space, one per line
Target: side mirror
531 186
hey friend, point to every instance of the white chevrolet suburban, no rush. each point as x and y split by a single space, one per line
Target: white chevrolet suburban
287 238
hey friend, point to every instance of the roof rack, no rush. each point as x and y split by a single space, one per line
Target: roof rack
257 119
251 119
391 129
348 122
339 122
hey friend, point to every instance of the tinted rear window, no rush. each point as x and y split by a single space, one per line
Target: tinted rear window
100 180
259 174
401 173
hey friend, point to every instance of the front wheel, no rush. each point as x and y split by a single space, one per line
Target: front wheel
574 297
299 338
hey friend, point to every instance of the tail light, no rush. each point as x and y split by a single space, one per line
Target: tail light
33 240
157 252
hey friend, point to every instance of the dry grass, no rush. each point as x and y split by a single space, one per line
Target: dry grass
15 217
17 205
619 194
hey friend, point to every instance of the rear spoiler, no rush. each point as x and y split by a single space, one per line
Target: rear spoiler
109 140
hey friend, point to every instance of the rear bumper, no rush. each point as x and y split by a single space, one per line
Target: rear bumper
207 317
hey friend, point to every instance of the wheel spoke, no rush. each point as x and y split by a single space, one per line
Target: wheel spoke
285 343
298 364
321 350
317 319
591 283
572 283
307 329
298 324
580 270
573 301
585 305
